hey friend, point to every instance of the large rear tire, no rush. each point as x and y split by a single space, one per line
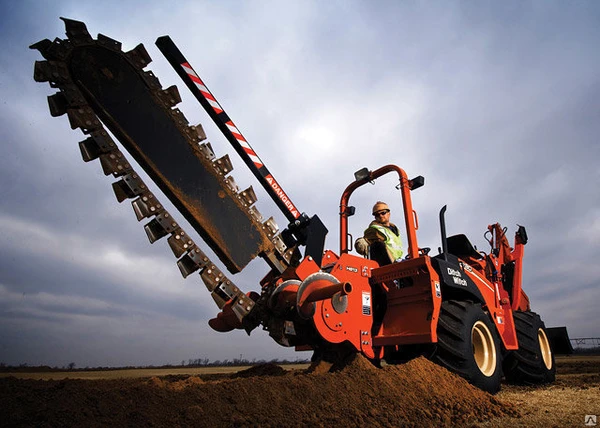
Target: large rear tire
533 363
468 345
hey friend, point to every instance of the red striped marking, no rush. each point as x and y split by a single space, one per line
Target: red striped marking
202 87
242 141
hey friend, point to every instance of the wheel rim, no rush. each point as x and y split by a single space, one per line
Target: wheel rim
484 349
545 348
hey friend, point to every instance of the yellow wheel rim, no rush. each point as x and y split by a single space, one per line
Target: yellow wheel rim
545 348
484 349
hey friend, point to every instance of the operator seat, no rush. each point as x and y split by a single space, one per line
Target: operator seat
461 247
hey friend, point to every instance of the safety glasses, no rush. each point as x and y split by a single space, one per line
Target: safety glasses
382 212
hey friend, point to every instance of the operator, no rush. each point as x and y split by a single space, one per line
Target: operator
382 236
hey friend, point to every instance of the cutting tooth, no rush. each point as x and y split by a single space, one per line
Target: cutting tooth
180 118
220 295
114 163
42 46
151 80
279 244
230 182
98 143
211 276
72 95
229 289
248 196
271 226
243 306
57 104
139 56
76 31
154 231
129 186
223 165
180 242
253 211
84 118
192 261
50 71
199 130
218 299
89 149
160 226
170 96
109 43
207 151
145 206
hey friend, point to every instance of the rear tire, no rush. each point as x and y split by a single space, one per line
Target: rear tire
533 363
468 345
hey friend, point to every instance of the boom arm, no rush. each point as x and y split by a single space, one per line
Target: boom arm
191 78
302 229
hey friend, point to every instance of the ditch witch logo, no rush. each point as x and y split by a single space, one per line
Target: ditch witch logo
590 420
457 277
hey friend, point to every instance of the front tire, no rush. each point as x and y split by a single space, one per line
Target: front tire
468 345
533 363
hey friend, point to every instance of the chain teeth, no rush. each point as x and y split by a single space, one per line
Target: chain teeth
51 71
76 31
151 80
199 130
179 242
57 104
146 206
42 46
59 50
279 245
129 186
248 196
271 227
109 43
230 182
192 261
207 151
114 163
83 118
139 56
170 96
255 214
160 226
223 165
99 145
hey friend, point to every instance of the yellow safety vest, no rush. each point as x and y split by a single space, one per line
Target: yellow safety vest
392 241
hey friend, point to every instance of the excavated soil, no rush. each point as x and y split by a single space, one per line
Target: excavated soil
418 393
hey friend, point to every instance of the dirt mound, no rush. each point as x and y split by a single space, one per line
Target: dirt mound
177 385
417 393
268 369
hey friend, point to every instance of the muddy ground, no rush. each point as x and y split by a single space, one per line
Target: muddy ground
418 393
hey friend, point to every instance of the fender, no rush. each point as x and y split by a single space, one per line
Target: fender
453 278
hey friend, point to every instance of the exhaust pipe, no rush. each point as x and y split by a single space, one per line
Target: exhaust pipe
443 232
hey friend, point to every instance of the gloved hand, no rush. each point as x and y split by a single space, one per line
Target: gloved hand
362 246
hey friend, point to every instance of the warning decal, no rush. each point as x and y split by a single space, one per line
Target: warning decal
366 303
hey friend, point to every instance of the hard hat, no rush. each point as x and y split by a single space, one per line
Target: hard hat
380 206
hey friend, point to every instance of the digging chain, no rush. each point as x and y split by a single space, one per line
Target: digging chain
99 144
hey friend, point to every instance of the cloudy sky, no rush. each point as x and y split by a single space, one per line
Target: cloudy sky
496 105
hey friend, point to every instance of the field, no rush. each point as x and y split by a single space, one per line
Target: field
418 393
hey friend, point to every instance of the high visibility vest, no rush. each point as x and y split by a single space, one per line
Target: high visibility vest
392 241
